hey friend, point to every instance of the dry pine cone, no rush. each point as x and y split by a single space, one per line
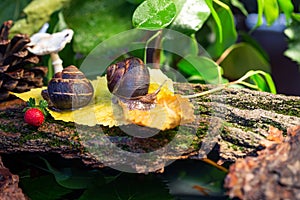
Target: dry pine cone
19 71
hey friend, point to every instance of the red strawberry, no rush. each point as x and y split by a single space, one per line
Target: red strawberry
34 117
35 114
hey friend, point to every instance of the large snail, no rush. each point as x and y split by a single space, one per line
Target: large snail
129 81
69 89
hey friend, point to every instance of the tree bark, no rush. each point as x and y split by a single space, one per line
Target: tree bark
9 188
232 122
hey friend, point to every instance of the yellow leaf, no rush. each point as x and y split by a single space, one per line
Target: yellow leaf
170 111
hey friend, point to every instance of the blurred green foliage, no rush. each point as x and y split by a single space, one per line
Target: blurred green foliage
210 23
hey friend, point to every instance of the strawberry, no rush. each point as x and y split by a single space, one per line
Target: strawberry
34 117
35 114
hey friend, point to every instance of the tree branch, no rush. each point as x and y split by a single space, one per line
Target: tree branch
233 121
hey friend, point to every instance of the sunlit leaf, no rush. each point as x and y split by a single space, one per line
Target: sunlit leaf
205 67
271 11
37 13
252 74
293 50
191 15
228 31
240 58
170 111
296 17
287 7
154 14
216 18
240 6
260 7
260 82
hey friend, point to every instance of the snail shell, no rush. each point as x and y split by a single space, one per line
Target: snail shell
129 81
69 89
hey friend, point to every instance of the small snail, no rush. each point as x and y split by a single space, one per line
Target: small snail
69 89
129 80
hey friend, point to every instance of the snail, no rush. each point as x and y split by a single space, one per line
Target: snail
129 81
69 89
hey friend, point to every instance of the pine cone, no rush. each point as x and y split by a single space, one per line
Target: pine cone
19 69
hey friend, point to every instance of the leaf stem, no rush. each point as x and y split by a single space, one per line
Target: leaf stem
147 43
225 85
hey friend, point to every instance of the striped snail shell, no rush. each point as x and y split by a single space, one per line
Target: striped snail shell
69 89
129 80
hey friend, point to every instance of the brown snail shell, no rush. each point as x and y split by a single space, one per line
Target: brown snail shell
69 89
129 80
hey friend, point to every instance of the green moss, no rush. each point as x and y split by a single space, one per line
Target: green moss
3 115
8 128
291 108
234 147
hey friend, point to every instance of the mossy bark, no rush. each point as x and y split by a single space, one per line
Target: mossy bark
232 122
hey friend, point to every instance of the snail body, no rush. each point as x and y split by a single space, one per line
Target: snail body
129 81
69 89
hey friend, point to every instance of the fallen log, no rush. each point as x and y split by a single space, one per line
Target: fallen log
231 122
9 188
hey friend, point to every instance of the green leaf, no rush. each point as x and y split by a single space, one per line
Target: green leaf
287 7
195 179
191 15
240 6
183 46
296 17
293 51
37 13
130 186
251 41
228 31
135 1
240 58
42 188
260 7
11 9
154 14
271 11
31 102
94 21
73 178
216 18
261 84
200 66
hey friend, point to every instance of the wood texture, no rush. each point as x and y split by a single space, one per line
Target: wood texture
232 122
